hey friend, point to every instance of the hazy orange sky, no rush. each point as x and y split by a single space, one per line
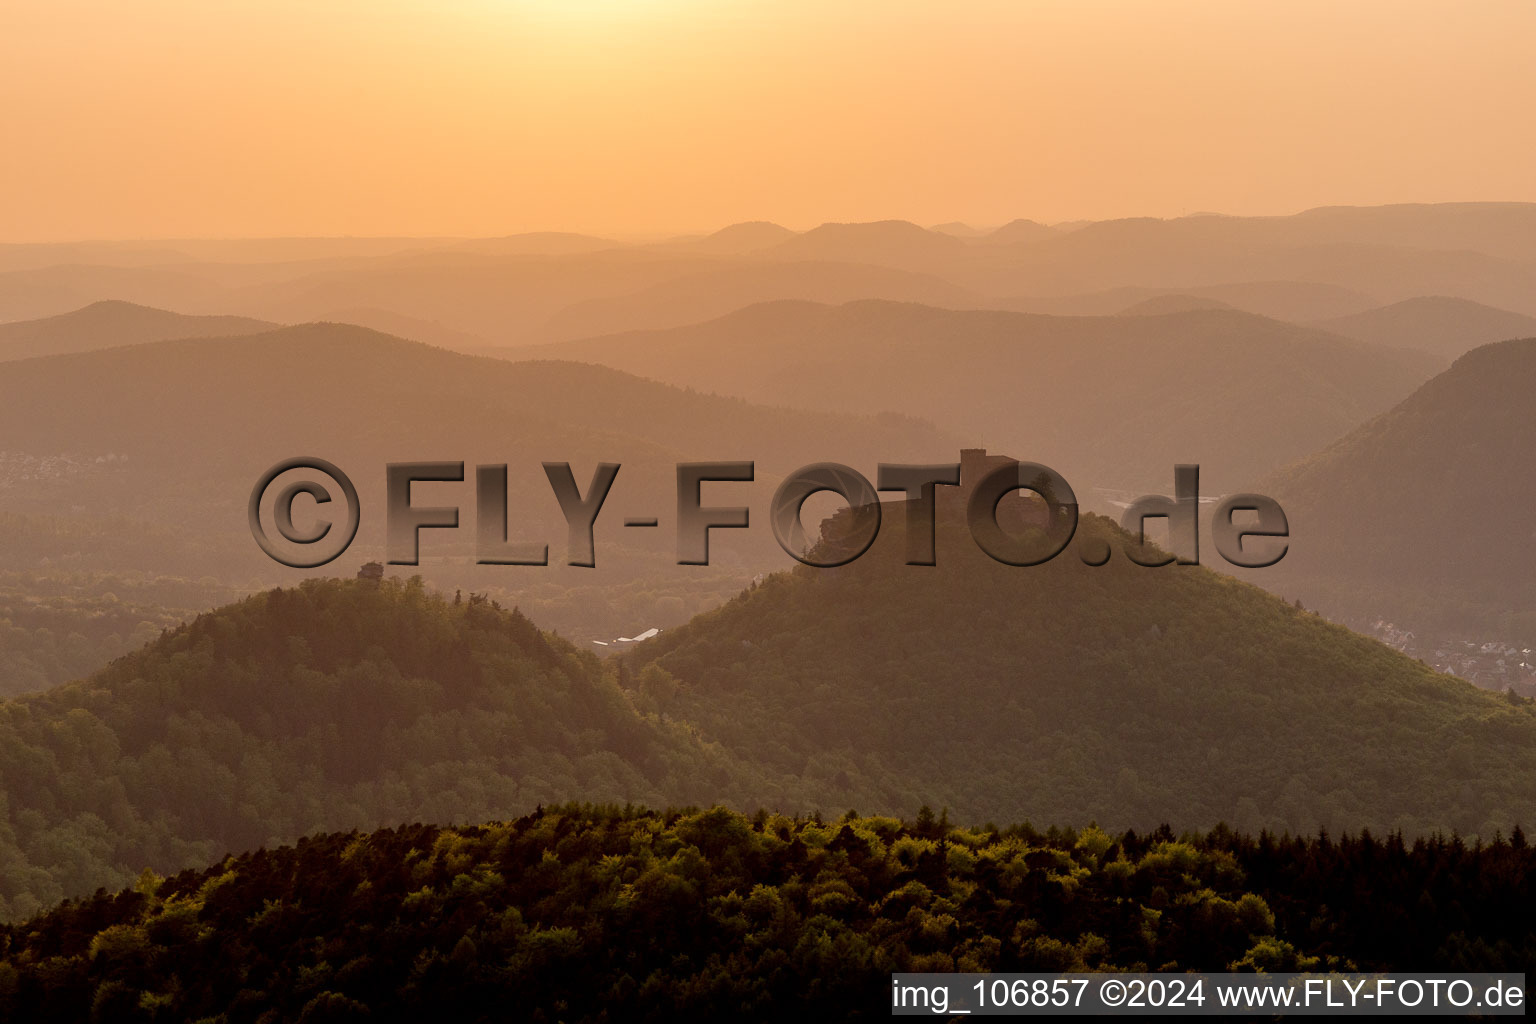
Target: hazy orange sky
180 118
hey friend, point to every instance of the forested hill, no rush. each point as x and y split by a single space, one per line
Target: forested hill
581 914
333 705
1068 693
1062 693
1422 516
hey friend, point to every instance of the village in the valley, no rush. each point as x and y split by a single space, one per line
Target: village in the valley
1490 664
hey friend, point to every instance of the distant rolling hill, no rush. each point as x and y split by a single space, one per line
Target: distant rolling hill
534 243
1158 305
1310 266
1020 230
432 332
1108 401
722 290
446 294
1483 252
177 433
1440 324
1423 515
734 239
891 243
240 401
958 229
505 297
108 324
1505 230
1297 302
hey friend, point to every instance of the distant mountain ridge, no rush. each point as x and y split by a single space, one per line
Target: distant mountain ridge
1443 325
736 239
1158 305
1298 302
110 323
895 243
1109 401
176 434
724 290
506 290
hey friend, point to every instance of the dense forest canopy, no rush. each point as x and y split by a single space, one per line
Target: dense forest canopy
593 914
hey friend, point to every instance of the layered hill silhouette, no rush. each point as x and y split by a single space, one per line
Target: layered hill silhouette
1158 305
1439 324
890 243
504 297
32 293
363 390
958 229
431 332
719 291
1111 402
110 323
523 298
1019 230
534 243
734 239
1422 515
1118 693
176 434
1310 266
1482 252
1299 302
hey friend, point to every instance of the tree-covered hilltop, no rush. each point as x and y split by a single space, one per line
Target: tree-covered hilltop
331 705
587 914
1064 692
